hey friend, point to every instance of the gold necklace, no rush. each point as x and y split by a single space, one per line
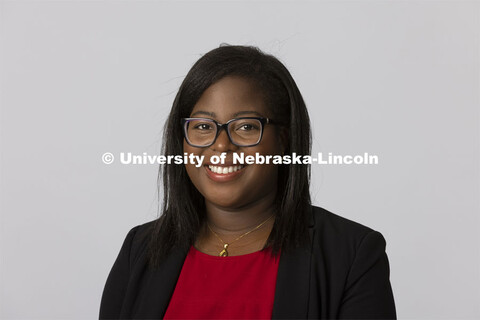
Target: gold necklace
224 252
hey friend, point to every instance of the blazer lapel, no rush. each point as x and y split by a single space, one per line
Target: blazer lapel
293 280
158 288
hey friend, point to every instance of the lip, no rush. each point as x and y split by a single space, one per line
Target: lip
219 177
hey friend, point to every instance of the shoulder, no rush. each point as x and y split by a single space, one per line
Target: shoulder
335 224
140 232
351 259
337 235
136 240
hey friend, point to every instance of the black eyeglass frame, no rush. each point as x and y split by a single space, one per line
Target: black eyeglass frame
220 126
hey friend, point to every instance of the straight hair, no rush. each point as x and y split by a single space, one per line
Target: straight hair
183 210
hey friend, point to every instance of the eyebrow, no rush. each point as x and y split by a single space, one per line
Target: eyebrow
212 114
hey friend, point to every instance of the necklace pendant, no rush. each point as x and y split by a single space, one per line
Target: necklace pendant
224 252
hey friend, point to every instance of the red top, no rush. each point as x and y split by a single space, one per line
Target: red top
212 287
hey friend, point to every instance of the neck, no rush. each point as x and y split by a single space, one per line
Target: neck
228 221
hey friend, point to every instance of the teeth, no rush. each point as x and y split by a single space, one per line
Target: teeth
224 170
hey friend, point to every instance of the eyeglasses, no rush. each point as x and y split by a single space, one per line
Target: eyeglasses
242 132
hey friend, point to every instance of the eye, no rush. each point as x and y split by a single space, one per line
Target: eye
247 126
203 126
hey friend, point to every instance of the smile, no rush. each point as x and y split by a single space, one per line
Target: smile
224 170
224 173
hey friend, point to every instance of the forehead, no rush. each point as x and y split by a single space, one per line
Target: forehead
229 97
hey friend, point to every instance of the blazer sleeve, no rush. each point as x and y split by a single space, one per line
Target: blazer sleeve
117 281
368 292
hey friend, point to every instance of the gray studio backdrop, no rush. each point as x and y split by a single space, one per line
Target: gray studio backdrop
399 79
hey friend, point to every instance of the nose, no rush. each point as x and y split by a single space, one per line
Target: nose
223 143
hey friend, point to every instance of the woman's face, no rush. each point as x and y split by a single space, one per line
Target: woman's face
229 98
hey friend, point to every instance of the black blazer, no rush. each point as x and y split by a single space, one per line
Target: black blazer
342 273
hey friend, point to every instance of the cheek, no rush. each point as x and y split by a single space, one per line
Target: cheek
265 175
269 146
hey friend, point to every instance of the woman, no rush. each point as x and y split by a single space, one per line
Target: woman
244 241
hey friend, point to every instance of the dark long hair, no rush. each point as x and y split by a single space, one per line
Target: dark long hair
183 210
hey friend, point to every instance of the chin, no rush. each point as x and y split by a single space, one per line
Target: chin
225 201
